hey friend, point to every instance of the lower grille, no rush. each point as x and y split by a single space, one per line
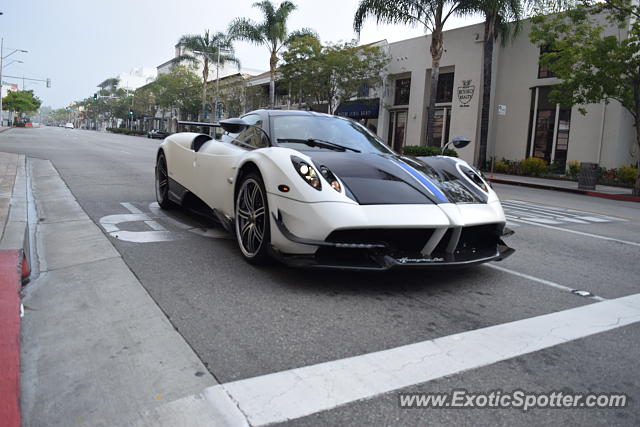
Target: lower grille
398 240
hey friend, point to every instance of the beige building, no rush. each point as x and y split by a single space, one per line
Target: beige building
523 122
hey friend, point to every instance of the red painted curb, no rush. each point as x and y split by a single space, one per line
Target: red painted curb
10 282
623 197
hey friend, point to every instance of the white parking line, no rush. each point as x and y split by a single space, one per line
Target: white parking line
581 233
539 280
299 392
128 206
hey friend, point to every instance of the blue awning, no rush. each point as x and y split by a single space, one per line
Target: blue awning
359 109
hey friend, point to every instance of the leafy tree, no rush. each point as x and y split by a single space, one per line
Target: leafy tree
592 65
21 101
144 100
58 115
271 32
256 97
331 73
208 49
501 18
232 96
432 15
180 90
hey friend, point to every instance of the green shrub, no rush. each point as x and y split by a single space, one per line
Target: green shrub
421 151
533 166
627 174
501 167
556 168
573 167
126 131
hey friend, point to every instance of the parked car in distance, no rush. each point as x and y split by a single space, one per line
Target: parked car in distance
155 133
68 126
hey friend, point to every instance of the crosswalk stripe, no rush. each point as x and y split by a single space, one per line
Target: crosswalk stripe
559 210
536 213
287 395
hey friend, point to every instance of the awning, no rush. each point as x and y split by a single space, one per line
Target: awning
359 109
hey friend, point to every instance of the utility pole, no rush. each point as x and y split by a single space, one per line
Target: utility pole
215 110
2 58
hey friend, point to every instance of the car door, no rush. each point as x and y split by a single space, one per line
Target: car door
215 165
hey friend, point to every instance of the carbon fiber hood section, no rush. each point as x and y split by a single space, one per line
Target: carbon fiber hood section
374 179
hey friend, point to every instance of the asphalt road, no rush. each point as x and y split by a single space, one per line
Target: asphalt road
244 321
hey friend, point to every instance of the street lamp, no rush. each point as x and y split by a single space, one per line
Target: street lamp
2 58
13 61
226 51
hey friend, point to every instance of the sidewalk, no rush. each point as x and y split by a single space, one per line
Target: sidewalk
93 348
605 191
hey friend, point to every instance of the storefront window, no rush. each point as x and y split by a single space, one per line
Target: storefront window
441 126
543 71
445 88
548 128
403 88
397 127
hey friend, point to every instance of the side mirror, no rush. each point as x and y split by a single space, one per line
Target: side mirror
458 142
234 125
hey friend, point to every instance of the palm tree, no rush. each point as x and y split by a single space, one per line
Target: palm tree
432 14
501 18
271 32
216 48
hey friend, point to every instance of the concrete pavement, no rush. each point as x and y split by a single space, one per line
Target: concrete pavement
96 348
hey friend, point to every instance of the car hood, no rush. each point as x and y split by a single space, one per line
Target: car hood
373 178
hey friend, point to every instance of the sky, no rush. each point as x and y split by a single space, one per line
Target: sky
79 44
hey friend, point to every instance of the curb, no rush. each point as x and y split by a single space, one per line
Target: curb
623 197
13 270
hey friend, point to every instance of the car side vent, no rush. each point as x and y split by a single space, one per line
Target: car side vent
199 141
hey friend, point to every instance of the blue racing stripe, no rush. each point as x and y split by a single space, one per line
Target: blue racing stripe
424 181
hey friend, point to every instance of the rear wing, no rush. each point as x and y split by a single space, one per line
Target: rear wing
213 125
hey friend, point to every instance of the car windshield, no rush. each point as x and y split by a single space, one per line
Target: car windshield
313 133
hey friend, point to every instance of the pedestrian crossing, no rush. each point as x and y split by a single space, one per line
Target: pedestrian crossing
516 210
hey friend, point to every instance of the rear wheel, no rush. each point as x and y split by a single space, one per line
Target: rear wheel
162 183
252 220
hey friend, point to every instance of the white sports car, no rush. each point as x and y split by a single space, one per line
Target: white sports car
317 190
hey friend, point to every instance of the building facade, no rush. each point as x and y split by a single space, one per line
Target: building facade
523 122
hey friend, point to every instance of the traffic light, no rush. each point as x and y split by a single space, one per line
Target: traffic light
130 112
95 96
48 82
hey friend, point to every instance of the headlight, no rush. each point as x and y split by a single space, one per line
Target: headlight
475 176
307 172
331 178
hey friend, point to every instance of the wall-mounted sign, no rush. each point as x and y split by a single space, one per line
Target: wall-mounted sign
502 110
465 93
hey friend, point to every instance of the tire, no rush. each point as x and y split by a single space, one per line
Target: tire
252 220
162 183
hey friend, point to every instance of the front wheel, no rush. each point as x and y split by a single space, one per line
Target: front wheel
162 183
252 220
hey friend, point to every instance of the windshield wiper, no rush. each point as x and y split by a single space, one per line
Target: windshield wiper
313 142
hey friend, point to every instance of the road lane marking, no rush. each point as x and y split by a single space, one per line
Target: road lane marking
296 393
626 218
543 281
581 233
541 220
128 206
158 232
550 215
